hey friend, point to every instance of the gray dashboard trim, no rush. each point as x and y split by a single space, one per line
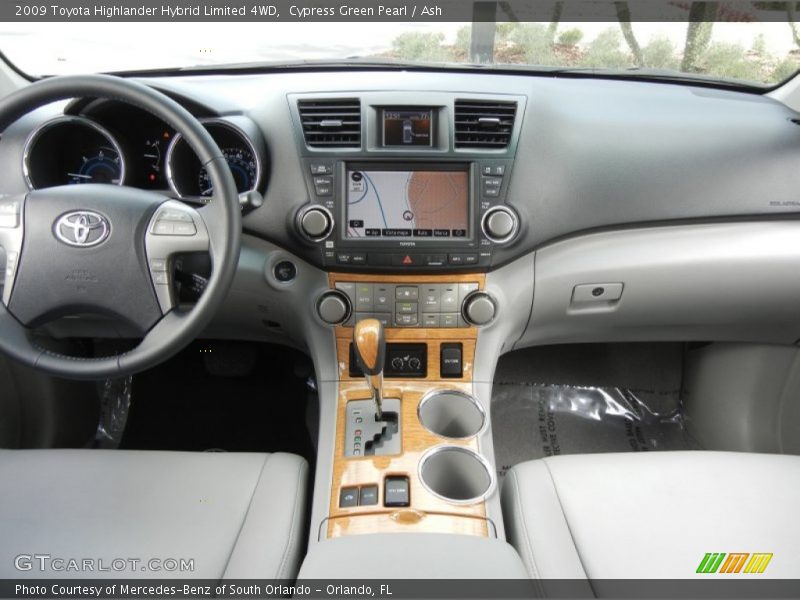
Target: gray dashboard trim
722 282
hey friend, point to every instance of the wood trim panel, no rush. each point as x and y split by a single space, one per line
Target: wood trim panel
403 521
468 339
371 470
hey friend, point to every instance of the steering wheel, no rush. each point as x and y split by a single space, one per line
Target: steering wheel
106 249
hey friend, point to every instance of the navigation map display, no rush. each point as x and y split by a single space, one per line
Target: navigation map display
396 204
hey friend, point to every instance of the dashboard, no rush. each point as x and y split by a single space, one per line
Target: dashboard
618 201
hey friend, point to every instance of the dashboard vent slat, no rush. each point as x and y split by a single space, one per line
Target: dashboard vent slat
334 123
484 124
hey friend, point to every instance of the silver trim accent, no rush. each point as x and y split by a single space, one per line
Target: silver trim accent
299 221
454 392
430 453
80 223
511 213
11 241
163 247
205 122
76 120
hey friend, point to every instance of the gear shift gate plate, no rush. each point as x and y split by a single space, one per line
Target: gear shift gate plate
366 436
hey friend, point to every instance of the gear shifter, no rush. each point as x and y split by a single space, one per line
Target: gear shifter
370 350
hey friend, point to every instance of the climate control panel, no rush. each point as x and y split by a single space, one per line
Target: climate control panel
411 304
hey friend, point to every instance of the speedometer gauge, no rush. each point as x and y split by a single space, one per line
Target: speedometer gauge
103 166
189 179
243 166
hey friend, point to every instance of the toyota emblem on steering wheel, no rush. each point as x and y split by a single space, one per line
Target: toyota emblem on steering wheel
82 228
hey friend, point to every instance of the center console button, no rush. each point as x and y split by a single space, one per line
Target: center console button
395 491
359 258
369 495
449 320
406 292
406 308
407 320
450 297
431 298
406 260
363 296
436 260
430 320
382 298
465 289
348 497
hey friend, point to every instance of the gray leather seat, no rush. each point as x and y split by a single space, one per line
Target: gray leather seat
233 515
652 515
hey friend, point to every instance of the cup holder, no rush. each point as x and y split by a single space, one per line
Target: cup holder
451 414
456 474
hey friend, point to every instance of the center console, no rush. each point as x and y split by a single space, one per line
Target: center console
407 203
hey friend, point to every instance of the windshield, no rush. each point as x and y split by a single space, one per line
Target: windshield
754 52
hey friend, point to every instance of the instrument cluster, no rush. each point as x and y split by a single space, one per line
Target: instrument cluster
120 145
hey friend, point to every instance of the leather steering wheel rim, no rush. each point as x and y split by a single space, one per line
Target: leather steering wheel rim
220 218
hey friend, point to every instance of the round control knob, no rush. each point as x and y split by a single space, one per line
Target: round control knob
414 363
315 223
397 363
333 307
500 224
479 309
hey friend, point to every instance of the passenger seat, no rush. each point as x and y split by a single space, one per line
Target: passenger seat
654 515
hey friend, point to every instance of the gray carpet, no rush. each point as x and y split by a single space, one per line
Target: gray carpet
586 399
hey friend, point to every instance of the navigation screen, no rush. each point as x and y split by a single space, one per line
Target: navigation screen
407 204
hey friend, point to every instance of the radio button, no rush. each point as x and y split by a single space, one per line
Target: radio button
344 258
491 192
359 258
470 259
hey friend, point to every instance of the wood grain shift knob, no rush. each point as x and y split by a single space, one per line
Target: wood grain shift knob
370 345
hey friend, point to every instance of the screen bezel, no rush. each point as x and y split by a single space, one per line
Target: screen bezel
417 109
410 241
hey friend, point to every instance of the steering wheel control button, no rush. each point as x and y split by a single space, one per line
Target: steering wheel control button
396 492
9 214
333 307
172 221
348 497
285 271
479 309
500 224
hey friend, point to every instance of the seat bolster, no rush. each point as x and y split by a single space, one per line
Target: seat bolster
535 523
271 540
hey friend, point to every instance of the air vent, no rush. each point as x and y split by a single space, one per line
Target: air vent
484 123
331 123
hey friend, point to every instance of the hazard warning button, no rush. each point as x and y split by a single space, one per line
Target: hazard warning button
407 260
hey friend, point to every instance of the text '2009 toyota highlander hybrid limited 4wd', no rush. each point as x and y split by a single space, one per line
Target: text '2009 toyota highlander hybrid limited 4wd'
315 301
